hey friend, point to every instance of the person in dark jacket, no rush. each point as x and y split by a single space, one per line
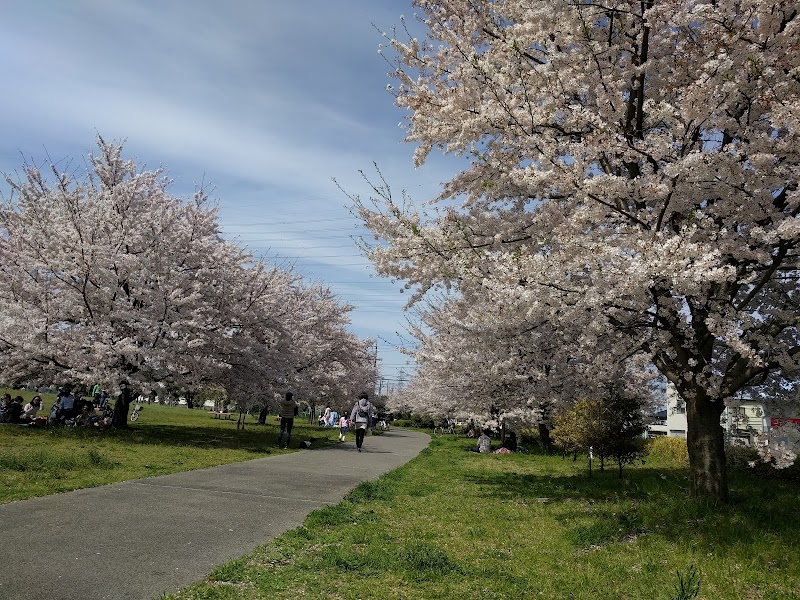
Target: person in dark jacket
288 410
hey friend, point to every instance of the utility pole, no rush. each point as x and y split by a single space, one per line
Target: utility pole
401 379
375 364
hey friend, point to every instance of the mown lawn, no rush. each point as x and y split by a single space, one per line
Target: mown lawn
39 461
454 524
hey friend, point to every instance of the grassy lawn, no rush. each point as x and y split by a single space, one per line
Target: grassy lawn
40 461
454 524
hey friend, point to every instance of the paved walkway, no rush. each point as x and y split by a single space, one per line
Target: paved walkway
143 538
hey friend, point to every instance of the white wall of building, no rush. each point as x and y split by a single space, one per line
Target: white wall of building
743 420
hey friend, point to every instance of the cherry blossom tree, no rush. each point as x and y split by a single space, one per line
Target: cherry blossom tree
252 335
106 279
479 358
631 172
111 279
331 361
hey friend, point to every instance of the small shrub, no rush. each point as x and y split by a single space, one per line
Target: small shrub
422 421
402 423
529 438
740 457
746 458
672 449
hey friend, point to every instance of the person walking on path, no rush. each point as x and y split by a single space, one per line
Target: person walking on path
361 416
288 411
343 426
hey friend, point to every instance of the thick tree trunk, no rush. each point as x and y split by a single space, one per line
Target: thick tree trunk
705 441
545 439
121 407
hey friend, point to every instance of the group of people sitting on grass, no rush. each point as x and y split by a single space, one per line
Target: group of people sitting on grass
12 411
484 444
66 410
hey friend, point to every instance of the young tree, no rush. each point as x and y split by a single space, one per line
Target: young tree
612 425
623 428
573 428
633 172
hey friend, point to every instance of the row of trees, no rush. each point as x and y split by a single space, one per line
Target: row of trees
628 206
111 279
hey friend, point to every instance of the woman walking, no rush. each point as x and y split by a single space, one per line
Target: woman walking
361 416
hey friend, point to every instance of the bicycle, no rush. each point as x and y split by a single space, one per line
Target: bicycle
137 408
450 430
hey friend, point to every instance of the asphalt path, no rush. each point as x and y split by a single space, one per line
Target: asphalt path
146 537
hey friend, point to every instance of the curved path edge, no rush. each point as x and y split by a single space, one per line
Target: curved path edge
146 537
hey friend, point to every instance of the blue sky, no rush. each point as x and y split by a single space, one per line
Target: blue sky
264 101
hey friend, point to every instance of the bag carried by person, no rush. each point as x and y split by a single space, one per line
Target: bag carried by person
363 411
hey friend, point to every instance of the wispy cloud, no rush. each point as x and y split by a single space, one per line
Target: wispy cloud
265 102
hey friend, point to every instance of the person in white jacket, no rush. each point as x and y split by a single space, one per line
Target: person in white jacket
361 416
31 408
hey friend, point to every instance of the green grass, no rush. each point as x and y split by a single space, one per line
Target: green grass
455 524
41 461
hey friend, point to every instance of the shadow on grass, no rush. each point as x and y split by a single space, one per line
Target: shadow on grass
254 438
605 508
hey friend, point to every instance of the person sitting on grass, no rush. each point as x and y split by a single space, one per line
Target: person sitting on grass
86 417
66 406
54 412
484 445
511 441
15 410
31 409
470 432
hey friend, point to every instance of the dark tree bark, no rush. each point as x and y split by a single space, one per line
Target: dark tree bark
262 416
545 439
705 440
121 407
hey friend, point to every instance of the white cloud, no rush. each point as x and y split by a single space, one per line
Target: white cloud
266 101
